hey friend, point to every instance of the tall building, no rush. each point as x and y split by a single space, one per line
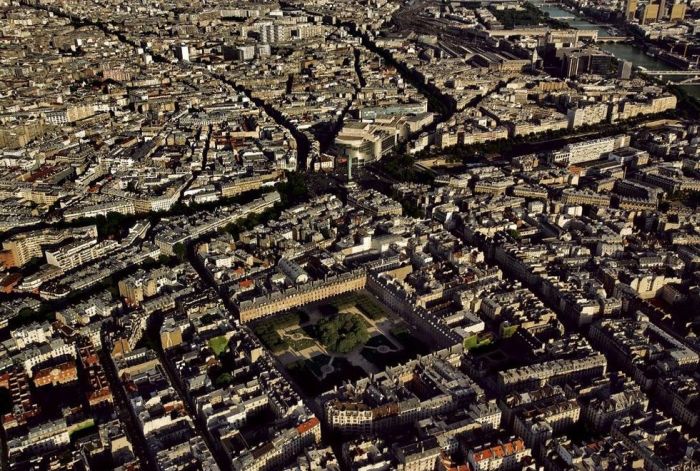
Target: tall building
662 10
586 114
273 33
650 13
678 11
587 61
183 53
624 70
363 142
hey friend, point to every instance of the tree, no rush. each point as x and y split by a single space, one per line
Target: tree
164 259
328 309
294 190
342 333
180 251
112 224
224 379
513 233
5 401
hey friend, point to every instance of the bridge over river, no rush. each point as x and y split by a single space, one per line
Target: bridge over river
685 77
614 39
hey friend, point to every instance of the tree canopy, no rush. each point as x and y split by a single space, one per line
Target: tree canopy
342 332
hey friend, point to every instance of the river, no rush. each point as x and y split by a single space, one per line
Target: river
557 13
623 51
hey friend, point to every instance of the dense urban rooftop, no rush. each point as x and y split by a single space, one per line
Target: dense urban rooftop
350 235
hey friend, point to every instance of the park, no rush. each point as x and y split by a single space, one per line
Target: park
346 337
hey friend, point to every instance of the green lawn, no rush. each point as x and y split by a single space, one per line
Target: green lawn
370 309
314 364
81 428
300 344
379 340
268 335
308 372
267 329
383 360
409 341
365 304
218 344
477 341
